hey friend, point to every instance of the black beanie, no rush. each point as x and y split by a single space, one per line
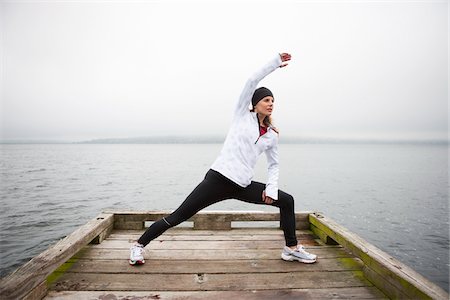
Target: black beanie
259 94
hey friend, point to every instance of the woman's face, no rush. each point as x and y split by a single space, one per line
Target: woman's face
265 106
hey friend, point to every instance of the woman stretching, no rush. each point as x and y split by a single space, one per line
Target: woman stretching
230 176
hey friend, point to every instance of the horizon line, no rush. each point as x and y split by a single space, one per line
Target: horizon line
185 139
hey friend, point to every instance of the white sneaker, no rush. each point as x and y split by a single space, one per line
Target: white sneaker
299 254
137 255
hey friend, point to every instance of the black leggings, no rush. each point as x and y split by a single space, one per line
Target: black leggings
215 188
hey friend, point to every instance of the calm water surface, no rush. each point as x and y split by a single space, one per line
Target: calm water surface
394 196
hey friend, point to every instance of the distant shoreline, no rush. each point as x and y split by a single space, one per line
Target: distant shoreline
220 140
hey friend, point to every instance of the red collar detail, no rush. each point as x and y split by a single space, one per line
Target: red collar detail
262 130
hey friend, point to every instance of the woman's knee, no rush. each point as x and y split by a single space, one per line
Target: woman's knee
286 199
176 218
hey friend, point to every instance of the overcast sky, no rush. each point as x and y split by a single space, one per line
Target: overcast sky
76 70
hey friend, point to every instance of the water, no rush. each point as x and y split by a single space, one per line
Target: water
394 196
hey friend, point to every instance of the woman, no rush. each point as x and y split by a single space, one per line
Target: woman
231 174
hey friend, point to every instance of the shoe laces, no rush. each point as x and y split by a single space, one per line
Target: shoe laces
301 248
137 250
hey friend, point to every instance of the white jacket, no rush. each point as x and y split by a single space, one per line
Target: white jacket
243 145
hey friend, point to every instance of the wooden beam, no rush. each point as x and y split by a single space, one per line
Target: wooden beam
315 293
91 252
214 220
205 245
220 266
37 292
102 235
175 235
384 271
209 282
31 275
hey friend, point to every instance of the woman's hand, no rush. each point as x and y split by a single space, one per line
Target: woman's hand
266 199
284 57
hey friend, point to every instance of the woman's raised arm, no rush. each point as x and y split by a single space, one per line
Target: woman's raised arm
246 95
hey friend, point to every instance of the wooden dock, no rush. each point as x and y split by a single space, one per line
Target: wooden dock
234 255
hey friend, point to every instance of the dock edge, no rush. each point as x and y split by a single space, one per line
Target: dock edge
30 280
392 277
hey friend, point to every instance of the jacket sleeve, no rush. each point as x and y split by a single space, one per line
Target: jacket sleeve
273 171
246 95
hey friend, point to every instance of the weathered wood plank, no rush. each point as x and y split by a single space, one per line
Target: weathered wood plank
207 245
179 231
102 235
34 272
191 254
212 266
37 292
205 282
328 293
236 215
402 279
323 236
378 281
259 237
212 221
203 219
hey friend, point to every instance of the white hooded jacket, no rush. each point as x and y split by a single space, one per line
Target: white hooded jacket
243 143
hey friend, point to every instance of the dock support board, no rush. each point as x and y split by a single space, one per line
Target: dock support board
28 281
214 220
394 278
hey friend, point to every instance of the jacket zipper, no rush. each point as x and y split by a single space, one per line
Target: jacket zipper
259 132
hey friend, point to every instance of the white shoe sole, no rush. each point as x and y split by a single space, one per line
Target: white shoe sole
136 262
292 258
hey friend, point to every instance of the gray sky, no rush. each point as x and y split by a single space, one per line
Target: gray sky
75 70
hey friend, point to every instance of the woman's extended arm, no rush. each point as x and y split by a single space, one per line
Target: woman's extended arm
246 95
